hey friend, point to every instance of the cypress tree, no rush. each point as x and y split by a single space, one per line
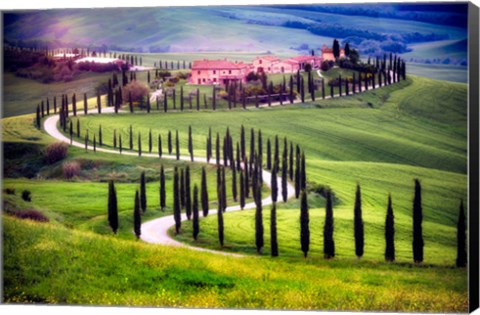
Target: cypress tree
340 85
165 102
224 189
99 103
284 180
182 189
169 142
234 184
304 225
177 145
217 150
131 138
323 88
358 224
276 158
162 189
176 202
198 99
461 238
74 104
417 224
252 146
204 193
139 144
190 143
273 231
114 138
78 128
100 141
298 171
290 167
302 89
143 193
220 215
94 143
71 131
137 220
55 104
112 207
246 181
331 91
274 184
86 141
242 142
239 166
328 242
174 99
390 232
85 104
195 223
188 196
242 190
150 141
43 110
120 143
303 177
291 90
259 242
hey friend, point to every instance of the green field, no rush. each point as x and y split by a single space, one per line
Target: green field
381 139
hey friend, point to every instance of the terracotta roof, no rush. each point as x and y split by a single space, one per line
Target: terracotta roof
216 64
304 58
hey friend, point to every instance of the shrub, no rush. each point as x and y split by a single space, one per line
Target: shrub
10 191
321 190
27 195
55 152
71 169
326 65
32 215
138 91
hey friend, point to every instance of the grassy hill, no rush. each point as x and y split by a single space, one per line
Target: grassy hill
381 139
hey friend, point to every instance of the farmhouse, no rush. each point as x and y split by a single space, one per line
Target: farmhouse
218 72
327 53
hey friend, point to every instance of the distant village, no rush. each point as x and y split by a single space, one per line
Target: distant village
222 72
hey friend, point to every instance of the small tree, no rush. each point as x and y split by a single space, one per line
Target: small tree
176 202
177 146
328 243
336 49
112 207
162 189
204 193
137 220
358 224
188 196
220 215
258 220
417 224
190 143
143 193
274 184
196 226
273 230
390 232
461 238
284 180
304 224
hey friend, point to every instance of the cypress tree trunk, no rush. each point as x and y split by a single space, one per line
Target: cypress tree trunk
162 189
304 224
112 207
461 238
284 180
188 196
358 224
176 202
242 190
328 243
274 184
273 230
137 220
390 232
417 224
150 141
195 223
220 215
143 193
139 144
259 242
131 138
190 143
204 193
177 146
234 184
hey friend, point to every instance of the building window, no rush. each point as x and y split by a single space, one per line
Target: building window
268 68
214 71
199 72
214 79
260 61
203 79
229 71
199 81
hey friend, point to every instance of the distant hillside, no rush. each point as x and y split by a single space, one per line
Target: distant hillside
221 28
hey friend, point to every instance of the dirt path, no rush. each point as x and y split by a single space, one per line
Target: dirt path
156 231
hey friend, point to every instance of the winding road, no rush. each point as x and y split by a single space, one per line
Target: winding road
156 231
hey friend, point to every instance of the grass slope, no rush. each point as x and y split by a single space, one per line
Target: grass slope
43 266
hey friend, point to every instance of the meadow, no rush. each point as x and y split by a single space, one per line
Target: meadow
381 139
